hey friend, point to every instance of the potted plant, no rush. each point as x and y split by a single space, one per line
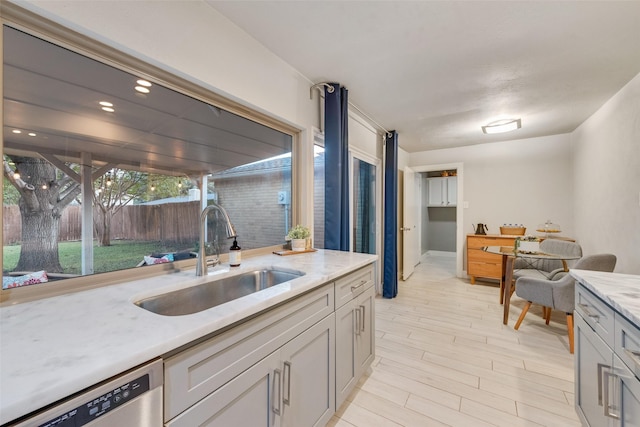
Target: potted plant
298 236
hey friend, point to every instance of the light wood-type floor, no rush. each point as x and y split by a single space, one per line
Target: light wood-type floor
444 358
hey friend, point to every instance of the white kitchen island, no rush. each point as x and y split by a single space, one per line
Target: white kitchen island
54 347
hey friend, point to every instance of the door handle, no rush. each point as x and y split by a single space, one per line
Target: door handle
362 321
356 314
405 228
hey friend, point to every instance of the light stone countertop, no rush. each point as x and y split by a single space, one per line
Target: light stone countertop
620 291
54 347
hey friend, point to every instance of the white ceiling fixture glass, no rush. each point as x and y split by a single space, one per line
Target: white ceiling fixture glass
500 126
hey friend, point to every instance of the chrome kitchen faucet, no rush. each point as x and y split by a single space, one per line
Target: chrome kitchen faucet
203 262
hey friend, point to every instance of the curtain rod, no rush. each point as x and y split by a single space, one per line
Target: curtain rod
330 89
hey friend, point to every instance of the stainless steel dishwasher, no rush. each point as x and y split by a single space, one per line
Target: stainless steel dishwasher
133 399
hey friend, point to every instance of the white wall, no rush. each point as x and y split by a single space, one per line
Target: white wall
607 179
522 181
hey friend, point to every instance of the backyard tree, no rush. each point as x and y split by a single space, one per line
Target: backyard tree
112 192
44 193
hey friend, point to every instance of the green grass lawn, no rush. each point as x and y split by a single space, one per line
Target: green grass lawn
122 254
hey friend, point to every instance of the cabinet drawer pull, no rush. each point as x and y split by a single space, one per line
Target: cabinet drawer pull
287 375
356 315
588 312
362 321
633 355
361 284
276 374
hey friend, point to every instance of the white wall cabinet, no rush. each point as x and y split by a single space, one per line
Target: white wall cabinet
354 331
607 363
276 370
442 191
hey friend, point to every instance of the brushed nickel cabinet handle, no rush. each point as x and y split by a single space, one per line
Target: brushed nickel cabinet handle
276 374
287 375
607 412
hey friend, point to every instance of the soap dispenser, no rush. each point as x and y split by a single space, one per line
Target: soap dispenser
234 254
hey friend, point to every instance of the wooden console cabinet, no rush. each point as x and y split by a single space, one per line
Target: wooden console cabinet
484 264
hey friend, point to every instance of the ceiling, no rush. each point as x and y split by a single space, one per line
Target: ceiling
54 94
436 71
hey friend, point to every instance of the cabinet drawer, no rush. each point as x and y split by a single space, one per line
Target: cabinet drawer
627 343
195 372
352 285
598 315
492 271
475 255
476 242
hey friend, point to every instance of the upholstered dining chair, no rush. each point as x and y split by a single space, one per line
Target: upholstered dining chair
559 294
552 269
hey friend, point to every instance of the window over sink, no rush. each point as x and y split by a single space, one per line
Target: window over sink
106 165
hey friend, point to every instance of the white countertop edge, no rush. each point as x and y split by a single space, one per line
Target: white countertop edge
620 291
47 354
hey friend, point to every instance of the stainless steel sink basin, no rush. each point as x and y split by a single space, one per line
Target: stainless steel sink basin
201 297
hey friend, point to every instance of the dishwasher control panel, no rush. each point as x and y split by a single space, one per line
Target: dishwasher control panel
98 406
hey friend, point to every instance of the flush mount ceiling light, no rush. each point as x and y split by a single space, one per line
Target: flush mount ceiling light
500 126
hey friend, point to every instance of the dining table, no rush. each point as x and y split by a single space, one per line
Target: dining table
509 255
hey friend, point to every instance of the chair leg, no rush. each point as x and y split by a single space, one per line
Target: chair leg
547 316
524 312
570 331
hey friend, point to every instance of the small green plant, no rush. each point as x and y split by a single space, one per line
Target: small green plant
299 232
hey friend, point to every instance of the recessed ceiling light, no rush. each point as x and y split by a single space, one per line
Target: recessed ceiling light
143 82
31 134
106 104
500 126
142 89
108 109
16 131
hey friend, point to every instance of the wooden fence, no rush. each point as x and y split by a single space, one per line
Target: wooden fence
168 222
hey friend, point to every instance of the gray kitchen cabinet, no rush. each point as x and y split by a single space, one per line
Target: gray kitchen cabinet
277 369
253 398
194 375
308 376
607 364
292 386
354 331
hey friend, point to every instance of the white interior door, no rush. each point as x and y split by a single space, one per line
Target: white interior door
409 224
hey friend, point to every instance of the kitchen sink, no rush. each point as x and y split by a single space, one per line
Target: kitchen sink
201 297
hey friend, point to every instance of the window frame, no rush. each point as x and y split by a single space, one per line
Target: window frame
38 26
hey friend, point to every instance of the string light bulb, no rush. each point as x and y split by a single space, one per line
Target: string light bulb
108 182
16 174
153 187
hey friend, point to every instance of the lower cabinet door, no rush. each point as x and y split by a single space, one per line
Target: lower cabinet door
253 398
627 401
346 368
593 365
365 337
308 377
